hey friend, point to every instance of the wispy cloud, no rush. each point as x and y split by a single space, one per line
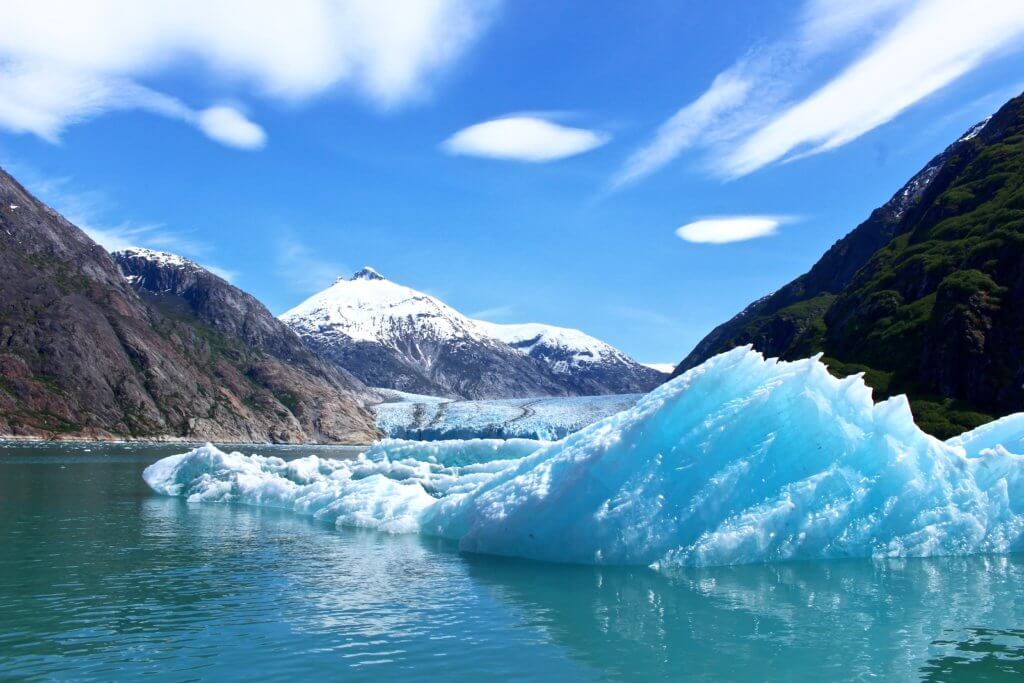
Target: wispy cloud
523 138
303 269
44 99
728 91
65 62
87 209
229 275
495 313
726 229
753 114
933 45
828 24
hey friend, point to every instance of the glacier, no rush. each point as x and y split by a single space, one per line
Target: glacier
426 418
739 460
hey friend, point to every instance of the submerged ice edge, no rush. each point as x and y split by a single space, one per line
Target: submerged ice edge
739 460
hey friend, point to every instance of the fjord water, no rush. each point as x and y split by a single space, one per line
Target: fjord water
100 579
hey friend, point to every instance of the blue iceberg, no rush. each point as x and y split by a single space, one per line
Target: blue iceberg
739 460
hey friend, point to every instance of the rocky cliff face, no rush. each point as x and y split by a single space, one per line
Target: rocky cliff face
925 296
317 393
82 354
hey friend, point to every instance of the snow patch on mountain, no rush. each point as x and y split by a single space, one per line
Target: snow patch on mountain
576 347
163 258
975 129
665 368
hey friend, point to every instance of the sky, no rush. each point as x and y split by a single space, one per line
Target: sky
640 171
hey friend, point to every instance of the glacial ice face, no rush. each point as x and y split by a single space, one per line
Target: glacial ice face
531 418
739 460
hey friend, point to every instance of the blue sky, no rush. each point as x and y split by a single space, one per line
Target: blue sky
524 161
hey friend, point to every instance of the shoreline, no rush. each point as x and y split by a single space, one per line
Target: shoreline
10 439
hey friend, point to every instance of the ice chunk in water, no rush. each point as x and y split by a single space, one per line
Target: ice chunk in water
739 460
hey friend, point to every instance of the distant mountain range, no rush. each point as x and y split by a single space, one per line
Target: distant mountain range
392 336
174 352
926 296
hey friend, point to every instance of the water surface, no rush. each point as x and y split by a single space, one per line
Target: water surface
102 580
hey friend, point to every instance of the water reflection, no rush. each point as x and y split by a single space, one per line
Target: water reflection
987 654
830 620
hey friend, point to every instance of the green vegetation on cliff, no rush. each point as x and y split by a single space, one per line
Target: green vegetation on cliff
926 297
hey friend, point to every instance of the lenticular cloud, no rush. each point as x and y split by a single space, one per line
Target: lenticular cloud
739 460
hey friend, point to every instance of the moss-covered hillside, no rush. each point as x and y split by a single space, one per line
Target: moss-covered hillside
926 296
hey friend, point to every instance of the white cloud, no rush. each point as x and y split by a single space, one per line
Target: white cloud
725 229
936 43
825 23
230 127
523 138
64 61
753 115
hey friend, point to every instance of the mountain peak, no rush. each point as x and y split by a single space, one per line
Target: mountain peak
368 273
163 258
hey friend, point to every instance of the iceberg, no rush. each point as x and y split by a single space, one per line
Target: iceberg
384 488
739 460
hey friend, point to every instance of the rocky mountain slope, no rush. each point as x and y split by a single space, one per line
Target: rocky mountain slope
317 393
392 336
926 296
82 354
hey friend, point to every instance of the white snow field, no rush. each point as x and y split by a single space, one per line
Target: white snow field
409 416
738 460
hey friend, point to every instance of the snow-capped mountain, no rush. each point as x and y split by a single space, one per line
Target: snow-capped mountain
393 336
396 337
588 364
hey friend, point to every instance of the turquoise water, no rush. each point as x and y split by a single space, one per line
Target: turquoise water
102 580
